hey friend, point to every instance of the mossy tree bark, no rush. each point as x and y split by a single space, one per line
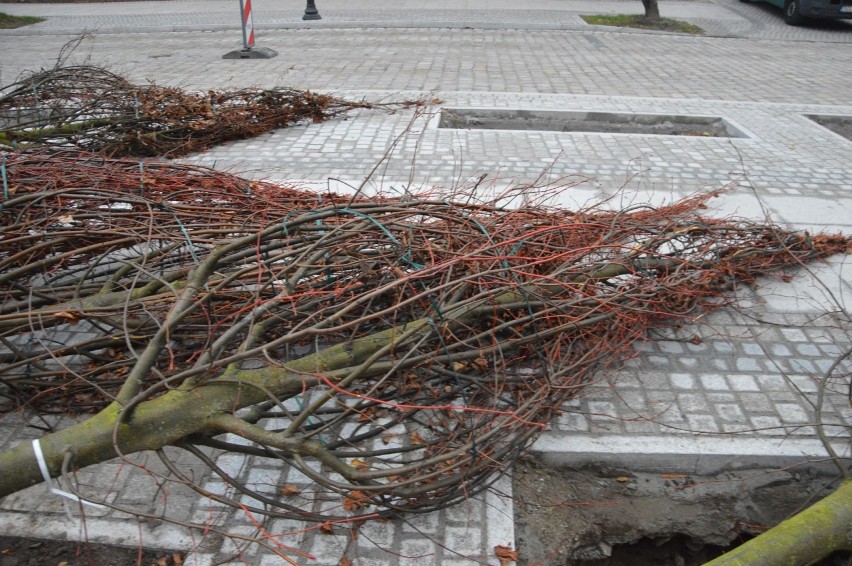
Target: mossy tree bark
168 419
816 532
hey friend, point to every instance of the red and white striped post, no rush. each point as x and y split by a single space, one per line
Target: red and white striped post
249 51
248 24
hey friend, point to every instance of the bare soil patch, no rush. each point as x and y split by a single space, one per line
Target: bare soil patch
618 517
586 122
17 551
840 125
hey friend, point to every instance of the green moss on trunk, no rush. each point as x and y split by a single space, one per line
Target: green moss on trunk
816 532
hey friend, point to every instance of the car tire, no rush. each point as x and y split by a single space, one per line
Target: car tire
791 13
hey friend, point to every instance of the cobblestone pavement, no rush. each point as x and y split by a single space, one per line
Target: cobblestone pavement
738 388
449 60
729 18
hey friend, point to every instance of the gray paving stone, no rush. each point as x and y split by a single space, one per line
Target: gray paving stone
793 413
702 423
568 422
748 364
729 412
693 403
785 396
801 365
601 410
804 383
743 382
808 349
794 334
466 541
756 403
753 349
713 382
767 425
682 381
642 427
769 382
421 524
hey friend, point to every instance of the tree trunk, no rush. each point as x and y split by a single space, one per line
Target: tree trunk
652 9
153 425
816 532
166 420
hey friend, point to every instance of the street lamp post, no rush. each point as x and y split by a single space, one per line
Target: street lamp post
311 12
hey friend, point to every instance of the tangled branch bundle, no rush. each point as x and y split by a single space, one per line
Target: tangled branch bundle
92 109
411 346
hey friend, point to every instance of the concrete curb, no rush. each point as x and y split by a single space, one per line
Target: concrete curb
705 455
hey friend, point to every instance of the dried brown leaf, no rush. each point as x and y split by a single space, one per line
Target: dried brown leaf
69 316
506 555
356 500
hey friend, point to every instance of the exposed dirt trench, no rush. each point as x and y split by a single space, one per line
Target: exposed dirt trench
614 516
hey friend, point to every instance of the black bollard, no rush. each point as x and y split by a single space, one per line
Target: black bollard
311 12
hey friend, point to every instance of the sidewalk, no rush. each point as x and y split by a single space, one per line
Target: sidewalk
734 391
717 17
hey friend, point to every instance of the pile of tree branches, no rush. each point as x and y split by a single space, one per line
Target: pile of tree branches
93 109
413 346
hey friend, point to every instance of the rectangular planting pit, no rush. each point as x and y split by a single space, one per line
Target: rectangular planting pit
588 122
840 125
